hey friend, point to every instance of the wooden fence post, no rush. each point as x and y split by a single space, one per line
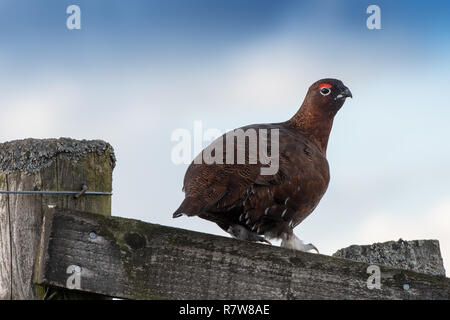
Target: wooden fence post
44 165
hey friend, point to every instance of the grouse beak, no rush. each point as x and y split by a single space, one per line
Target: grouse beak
344 94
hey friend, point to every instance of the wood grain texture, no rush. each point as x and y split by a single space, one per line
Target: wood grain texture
38 165
132 259
5 244
26 218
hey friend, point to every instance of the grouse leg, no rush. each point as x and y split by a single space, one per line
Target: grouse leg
292 242
242 233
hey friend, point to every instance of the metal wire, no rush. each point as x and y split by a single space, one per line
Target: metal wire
75 194
57 192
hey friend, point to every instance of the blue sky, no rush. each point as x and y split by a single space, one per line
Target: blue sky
138 70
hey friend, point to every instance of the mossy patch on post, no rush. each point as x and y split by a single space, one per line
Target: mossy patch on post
46 165
131 259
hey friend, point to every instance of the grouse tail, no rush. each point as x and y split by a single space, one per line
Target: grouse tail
188 207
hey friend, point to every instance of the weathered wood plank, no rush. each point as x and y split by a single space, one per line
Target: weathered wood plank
131 259
44 165
5 244
26 218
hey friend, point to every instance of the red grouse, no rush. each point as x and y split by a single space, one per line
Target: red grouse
256 205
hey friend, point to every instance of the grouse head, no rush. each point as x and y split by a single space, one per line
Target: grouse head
327 95
315 117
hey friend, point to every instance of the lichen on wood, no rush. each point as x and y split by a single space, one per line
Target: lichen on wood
31 155
418 255
44 165
136 260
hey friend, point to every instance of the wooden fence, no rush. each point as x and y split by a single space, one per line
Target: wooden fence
58 246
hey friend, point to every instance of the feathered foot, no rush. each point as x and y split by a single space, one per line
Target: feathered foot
242 233
292 242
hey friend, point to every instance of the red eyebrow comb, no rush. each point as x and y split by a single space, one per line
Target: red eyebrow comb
325 85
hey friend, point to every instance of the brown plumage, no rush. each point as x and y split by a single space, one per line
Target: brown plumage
253 206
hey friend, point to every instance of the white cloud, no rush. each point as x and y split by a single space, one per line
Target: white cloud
39 112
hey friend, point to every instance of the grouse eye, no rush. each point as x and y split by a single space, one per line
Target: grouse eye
325 91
